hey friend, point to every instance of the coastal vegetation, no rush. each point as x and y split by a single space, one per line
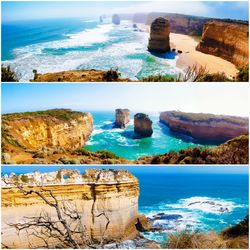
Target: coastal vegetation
234 237
8 75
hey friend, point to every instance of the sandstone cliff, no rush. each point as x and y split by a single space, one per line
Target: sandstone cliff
205 127
159 36
56 128
113 192
228 40
122 117
142 125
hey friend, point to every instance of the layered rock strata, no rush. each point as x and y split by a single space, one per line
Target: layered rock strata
159 36
205 127
122 118
110 192
142 125
55 129
228 40
116 19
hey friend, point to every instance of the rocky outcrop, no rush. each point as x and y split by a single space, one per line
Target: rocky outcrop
54 129
159 36
86 75
142 125
228 40
205 127
235 151
110 192
116 19
122 118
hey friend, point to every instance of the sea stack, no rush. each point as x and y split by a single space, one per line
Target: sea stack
122 117
159 36
142 125
116 19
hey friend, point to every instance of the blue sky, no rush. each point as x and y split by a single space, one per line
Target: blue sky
206 98
12 11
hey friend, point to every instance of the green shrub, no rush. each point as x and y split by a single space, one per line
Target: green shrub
8 75
83 151
158 78
24 178
243 74
111 75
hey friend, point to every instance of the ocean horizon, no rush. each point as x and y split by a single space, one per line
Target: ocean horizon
81 43
199 198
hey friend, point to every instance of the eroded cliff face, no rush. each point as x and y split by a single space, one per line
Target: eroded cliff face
228 40
113 192
205 127
64 129
142 125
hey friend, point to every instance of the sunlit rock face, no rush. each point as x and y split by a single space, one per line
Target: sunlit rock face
228 40
111 192
122 118
159 36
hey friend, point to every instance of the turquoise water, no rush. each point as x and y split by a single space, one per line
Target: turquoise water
122 143
67 44
171 190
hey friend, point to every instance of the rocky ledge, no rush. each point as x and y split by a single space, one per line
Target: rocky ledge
208 128
91 75
159 36
111 192
122 118
228 40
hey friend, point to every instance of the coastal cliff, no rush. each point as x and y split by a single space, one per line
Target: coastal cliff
228 40
142 125
122 118
112 192
57 128
205 127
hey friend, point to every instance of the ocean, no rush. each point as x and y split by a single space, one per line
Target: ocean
122 142
68 44
199 198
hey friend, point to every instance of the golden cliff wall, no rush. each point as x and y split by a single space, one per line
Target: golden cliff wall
228 40
63 129
205 127
115 193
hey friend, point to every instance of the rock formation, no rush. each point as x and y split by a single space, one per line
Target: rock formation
228 40
142 125
159 36
113 192
116 19
57 128
122 118
205 127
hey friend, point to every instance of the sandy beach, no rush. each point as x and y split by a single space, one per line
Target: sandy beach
190 56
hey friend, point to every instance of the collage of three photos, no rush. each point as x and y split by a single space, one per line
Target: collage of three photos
125 124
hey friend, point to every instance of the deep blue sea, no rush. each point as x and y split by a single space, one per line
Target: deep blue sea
195 197
122 142
67 44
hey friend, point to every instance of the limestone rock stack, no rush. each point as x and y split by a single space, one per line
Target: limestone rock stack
142 125
122 118
228 40
159 36
116 19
